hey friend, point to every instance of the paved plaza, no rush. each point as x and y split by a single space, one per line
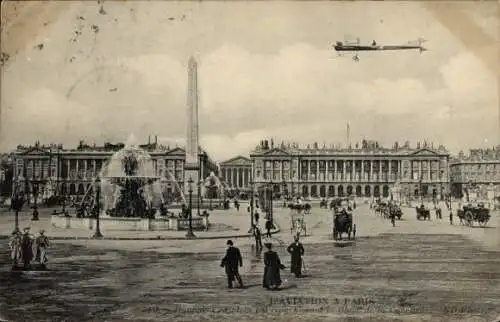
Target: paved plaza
416 271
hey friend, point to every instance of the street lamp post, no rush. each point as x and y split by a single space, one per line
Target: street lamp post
271 203
35 201
420 190
16 204
199 197
97 190
251 203
190 234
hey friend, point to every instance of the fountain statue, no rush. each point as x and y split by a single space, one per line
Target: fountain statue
130 186
212 187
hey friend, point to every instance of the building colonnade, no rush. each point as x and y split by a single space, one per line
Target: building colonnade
237 177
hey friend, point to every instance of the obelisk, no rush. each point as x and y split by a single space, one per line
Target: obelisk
192 166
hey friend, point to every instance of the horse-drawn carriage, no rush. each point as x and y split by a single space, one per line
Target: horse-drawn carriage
343 223
423 213
471 213
395 210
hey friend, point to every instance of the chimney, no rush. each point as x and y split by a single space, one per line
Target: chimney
156 139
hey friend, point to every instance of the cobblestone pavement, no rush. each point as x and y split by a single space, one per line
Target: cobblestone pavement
391 277
416 271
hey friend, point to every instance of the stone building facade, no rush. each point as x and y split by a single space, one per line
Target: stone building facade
366 171
478 171
52 170
236 173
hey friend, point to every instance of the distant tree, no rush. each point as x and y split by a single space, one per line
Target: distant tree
7 166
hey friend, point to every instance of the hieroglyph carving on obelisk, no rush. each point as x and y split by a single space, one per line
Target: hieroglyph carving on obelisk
192 166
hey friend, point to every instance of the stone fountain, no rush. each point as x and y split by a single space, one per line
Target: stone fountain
127 184
212 187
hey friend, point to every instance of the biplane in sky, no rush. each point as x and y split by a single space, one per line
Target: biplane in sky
355 47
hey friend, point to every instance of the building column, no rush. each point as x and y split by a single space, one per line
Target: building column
390 170
400 169
94 171
335 170
363 173
317 170
380 170
282 172
69 169
308 170
344 170
353 175
371 171
429 170
85 169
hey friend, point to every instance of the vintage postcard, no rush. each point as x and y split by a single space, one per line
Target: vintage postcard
250 161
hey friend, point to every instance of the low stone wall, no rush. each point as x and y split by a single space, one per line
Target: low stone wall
128 224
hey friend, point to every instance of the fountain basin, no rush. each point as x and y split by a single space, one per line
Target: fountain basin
129 224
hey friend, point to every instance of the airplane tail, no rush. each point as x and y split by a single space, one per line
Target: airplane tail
417 42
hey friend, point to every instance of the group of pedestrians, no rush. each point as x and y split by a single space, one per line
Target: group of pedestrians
27 249
271 279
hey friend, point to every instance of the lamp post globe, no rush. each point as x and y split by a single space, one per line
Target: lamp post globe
97 191
190 234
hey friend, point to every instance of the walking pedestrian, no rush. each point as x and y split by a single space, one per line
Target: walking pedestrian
231 262
272 266
296 249
258 236
269 226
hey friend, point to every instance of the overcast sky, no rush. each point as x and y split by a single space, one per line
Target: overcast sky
265 69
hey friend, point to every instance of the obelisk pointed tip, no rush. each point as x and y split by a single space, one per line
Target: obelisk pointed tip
192 60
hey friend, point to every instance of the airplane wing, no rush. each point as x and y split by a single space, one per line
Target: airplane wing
351 40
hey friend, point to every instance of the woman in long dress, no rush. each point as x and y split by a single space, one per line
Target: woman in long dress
272 266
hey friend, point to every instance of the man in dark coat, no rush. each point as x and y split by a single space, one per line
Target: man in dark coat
272 266
27 248
257 235
231 262
269 226
297 251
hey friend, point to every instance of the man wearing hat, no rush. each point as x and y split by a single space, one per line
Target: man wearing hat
42 243
272 266
27 248
231 262
297 251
